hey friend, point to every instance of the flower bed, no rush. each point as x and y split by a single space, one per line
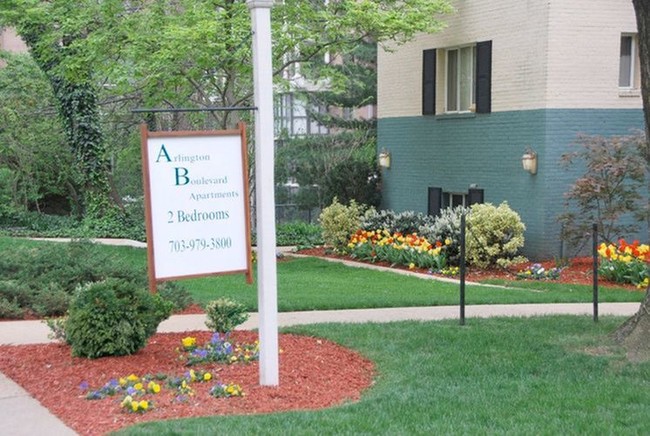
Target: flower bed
314 373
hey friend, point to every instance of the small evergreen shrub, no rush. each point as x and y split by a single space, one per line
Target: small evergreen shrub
175 293
10 309
224 314
42 279
339 222
494 236
52 300
113 318
299 233
16 292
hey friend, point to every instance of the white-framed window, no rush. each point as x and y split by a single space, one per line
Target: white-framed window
460 67
454 199
628 62
292 117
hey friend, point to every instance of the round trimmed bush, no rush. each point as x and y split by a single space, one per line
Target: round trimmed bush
113 318
494 235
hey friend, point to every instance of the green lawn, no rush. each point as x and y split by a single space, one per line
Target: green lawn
316 284
552 375
309 283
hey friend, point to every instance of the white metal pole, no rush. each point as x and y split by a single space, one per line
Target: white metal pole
267 295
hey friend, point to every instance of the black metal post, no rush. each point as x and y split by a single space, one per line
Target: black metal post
462 269
595 272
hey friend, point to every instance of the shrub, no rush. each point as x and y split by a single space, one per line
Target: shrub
175 293
299 233
43 279
16 292
446 228
113 318
51 300
610 189
494 235
10 309
339 222
224 314
406 222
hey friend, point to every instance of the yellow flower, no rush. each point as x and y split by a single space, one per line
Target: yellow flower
133 378
192 375
144 404
126 401
188 342
122 381
153 387
448 241
134 406
138 386
207 376
411 265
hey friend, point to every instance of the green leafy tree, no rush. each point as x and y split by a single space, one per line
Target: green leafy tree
341 164
55 33
37 170
193 53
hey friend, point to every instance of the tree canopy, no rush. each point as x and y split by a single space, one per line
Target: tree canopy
180 53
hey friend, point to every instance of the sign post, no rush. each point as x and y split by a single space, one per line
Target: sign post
265 192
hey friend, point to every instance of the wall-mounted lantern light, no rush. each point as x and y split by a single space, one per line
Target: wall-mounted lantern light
529 161
384 159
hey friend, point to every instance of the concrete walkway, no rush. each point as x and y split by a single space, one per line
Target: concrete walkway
23 415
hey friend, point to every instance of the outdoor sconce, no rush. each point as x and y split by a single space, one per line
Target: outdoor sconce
384 159
529 161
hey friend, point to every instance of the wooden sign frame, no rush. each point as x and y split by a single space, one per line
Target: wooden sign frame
163 265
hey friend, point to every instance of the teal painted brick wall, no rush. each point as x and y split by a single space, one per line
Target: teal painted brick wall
486 150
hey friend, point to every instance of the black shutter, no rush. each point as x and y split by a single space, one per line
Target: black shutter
474 196
435 201
484 77
429 82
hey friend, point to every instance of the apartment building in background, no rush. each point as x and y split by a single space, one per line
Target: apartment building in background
507 81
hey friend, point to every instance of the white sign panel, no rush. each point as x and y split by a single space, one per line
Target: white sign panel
197 198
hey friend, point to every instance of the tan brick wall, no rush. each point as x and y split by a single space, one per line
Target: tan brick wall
584 50
545 54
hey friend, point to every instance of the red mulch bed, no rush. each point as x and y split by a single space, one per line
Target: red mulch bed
314 373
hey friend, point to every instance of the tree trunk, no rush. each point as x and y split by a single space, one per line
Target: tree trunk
634 334
642 10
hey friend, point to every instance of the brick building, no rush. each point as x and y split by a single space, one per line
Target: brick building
458 110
